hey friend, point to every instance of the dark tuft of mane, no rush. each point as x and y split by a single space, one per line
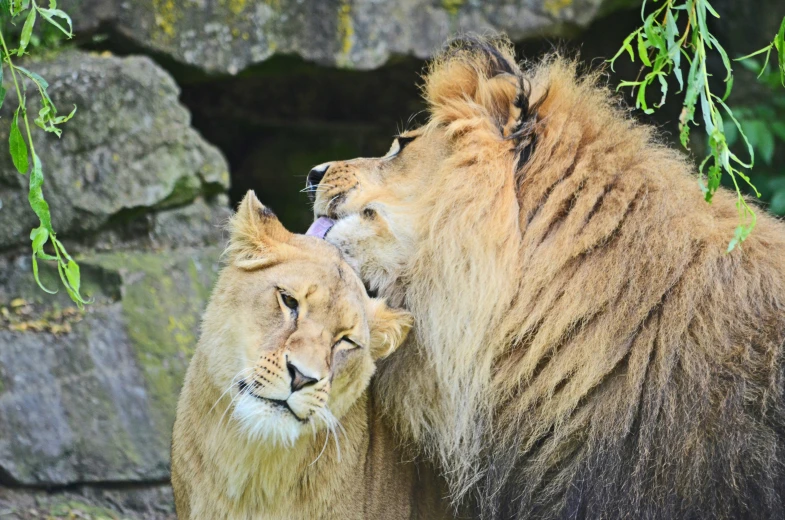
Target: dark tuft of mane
523 136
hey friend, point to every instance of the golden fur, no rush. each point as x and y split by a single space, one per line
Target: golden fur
584 346
287 350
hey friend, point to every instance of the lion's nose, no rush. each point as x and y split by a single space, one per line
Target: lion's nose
315 176
299 380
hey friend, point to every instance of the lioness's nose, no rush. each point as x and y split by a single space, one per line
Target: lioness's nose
298 379
315 176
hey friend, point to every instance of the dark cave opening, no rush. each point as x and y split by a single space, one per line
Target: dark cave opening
276 120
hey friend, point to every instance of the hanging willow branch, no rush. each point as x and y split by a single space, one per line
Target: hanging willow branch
665 49
22 148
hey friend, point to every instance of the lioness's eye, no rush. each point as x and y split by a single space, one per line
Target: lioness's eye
348 343
289 301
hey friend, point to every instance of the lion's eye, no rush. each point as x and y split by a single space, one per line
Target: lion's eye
398 145
289 301
403 141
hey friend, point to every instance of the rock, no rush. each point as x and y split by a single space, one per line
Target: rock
152 502
229 35
91 396
129 149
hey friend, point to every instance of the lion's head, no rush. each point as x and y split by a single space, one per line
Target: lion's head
290 333
433 225
584 346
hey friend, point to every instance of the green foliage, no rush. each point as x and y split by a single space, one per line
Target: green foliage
22 149
763 122
675 40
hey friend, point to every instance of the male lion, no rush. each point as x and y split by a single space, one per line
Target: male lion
287 349
584 345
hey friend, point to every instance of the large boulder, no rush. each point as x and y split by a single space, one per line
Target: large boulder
91 396
129 149
229 35
139 197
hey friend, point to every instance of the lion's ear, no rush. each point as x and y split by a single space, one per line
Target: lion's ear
389 328
477 79
256 235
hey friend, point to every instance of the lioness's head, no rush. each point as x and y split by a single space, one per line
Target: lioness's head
290 332
454 175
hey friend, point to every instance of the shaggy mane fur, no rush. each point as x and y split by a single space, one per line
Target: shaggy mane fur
585 348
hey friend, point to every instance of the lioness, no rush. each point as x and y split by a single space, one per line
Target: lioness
287 350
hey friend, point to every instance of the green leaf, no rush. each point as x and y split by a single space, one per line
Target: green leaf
710 8
700 12
663 89
2 93
747 141
779 43
747 60
17 145
17 6
40 82
36 195
37 280
51 14
72 273
39 236
735 240
713 176
643 52
706 111
625 46
27 31
640 99
674 50
653 35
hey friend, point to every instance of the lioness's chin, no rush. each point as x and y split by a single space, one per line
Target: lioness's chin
268 422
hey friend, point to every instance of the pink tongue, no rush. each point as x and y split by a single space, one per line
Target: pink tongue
320 227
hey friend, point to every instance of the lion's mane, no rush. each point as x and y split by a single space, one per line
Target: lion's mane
585 346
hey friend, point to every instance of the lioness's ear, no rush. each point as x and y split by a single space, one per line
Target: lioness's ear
389 328
256 235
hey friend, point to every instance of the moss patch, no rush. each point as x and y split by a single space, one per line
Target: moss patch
452 6
166 17
345 33
76 509
164 295
555 7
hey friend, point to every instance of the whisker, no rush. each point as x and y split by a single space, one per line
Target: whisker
234 398
316 189
326 441
235 380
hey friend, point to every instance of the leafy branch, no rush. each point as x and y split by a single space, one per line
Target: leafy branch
22 150
661 45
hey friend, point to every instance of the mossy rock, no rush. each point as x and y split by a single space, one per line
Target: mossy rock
98 403
130 148
227 36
